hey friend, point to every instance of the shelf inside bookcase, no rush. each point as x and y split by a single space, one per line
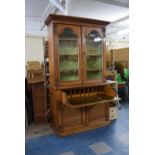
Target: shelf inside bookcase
67 55
67 39
96 55
69 70
93 41
69 76
94 74
94 69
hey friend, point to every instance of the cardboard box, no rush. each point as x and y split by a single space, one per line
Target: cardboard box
35 72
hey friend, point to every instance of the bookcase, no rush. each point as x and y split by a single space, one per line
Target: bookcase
80 96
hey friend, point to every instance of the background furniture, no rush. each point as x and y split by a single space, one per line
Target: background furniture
111 74
117 56
36 91
80 97
126 74
29 115
34 72
122 85
46 79
38 99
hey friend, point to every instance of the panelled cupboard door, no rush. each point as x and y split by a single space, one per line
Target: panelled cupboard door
71 118
93 53
68 54
98 113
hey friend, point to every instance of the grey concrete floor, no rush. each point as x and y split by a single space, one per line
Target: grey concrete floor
36 130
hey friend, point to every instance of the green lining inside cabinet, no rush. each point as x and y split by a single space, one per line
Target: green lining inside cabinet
68 56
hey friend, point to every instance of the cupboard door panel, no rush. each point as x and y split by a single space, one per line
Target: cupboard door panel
71 118
68 40
97 113
93 51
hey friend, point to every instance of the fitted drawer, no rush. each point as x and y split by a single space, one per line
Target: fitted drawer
113 113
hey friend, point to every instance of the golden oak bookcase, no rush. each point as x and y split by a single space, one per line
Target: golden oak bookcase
79 94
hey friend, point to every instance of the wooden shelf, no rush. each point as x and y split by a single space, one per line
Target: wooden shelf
94 54
68 54
68 39
95 69
68 70
121 60
93 41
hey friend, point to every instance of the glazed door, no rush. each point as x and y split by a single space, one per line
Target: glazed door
93 54
67 50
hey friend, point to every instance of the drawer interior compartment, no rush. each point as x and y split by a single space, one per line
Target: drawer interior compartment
81 97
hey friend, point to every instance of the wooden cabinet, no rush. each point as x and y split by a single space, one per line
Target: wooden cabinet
79 93
38 98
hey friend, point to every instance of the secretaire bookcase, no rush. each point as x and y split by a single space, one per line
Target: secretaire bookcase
80 96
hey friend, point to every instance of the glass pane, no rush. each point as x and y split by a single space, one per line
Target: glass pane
94 56
68 56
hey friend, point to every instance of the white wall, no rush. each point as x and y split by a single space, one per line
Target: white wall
117 44
33 27
34 49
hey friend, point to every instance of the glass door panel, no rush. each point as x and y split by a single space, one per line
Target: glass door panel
94 51
68 56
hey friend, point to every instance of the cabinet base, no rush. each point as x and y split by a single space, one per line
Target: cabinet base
79 129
